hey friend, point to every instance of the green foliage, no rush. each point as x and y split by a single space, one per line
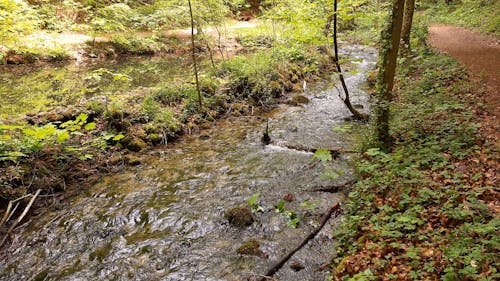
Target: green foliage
323 155
251 77
254 205
293 220
481 15
412 203
18 141
16 20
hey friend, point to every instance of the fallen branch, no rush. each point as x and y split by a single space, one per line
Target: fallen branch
8 212
335 209
335 152
20 218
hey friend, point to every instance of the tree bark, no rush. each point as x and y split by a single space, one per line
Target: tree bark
387 69
407 23
193 54
347 101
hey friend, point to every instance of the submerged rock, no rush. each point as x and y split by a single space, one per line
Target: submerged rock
239 216
289 197
251 248
296 266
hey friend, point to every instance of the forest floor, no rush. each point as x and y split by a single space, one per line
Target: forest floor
480 53
429 209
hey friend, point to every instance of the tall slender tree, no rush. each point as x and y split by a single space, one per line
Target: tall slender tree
347 101
391 35
193 54
407 23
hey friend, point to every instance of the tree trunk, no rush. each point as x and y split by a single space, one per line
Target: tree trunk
407 22
347 101
193 54
387 69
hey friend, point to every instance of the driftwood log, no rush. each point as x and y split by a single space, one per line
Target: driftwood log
334 210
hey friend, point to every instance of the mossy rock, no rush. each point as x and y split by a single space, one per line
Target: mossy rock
298 100
240 216
251 248
132 160
288 85
134 144
154 138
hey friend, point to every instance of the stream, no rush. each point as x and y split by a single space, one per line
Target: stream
165 219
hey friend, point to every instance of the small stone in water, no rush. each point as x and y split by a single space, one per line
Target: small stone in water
239 216
296 266
251 248
289 197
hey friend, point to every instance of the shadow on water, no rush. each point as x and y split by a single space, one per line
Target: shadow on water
164 220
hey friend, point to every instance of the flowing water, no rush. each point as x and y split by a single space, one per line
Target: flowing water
164 219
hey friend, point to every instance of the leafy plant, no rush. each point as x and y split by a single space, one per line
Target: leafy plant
293 220
254 205
322 155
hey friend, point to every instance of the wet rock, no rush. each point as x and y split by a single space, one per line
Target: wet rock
251 248
239 216
296 266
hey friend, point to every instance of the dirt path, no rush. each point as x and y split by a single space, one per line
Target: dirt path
481 55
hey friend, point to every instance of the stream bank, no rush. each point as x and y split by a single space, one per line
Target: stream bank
164 219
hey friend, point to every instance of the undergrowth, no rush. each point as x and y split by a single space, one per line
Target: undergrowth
477 14
426 210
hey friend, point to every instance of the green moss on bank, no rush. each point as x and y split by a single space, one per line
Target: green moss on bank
67 144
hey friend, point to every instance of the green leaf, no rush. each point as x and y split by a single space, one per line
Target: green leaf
118 137
12 155
253 199
373 152
62 136
280 207
293 223
323 155
90 126
85 157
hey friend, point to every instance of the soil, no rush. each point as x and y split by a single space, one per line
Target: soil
480 53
